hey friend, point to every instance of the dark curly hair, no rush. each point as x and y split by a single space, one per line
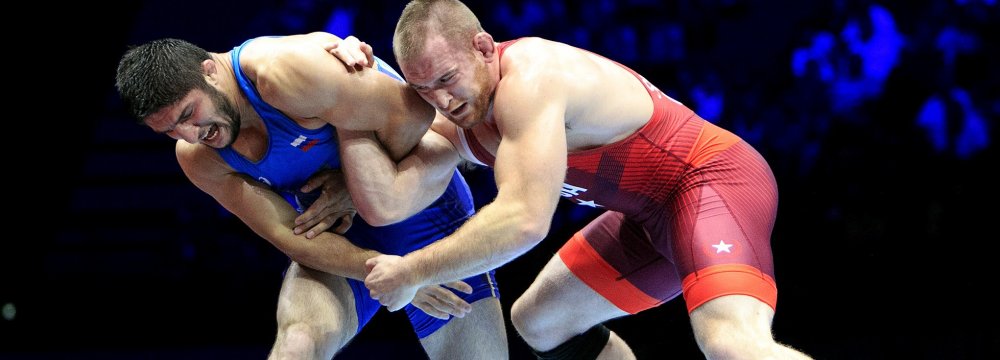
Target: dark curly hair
159 73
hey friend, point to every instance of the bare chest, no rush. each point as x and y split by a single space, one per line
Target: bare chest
253 143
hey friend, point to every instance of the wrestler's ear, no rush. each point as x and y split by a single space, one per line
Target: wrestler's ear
209 69
484 45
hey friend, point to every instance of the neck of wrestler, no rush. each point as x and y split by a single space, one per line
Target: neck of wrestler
494 73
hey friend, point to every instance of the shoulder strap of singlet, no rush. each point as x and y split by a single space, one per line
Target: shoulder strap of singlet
266 111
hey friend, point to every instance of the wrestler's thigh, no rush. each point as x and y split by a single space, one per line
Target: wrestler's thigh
481 334
557 296
320 300
614 256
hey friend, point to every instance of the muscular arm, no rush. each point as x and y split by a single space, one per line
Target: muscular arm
299 77
386 192
268 215
530 169
380 120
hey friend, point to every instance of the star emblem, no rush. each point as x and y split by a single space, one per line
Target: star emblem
722 246
590 203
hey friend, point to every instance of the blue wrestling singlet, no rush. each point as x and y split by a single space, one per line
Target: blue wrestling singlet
295 153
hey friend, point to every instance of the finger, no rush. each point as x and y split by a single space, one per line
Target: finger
449 308
357 52
321 226
311 215
304 221
368 54
313 183
460 286
308 219
435 296
430 310
330 46
346 54
438 315
369 265
449 302
305 218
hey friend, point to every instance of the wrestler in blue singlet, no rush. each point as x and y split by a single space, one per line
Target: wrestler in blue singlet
295 153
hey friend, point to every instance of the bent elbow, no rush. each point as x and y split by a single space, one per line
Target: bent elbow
380 217
533 231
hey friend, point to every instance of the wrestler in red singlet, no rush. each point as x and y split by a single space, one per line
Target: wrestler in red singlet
690 208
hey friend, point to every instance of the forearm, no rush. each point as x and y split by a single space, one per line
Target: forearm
529 174
386 192
327 252
497 234
268 215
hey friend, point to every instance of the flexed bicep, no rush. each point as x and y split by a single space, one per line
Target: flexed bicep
385 191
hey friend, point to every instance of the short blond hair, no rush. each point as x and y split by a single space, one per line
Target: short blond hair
420 18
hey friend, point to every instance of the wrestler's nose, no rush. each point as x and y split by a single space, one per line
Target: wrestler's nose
441 99
186 131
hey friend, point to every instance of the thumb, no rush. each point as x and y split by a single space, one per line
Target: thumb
311 184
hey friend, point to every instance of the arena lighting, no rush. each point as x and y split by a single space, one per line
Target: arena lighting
9 311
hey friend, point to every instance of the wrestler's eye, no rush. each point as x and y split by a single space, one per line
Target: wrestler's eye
186 114
447 78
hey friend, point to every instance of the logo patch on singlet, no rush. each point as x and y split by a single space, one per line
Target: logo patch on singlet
569 191
722 247
302 139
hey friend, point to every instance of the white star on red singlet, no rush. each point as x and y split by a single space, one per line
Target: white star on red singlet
590 203
722 246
